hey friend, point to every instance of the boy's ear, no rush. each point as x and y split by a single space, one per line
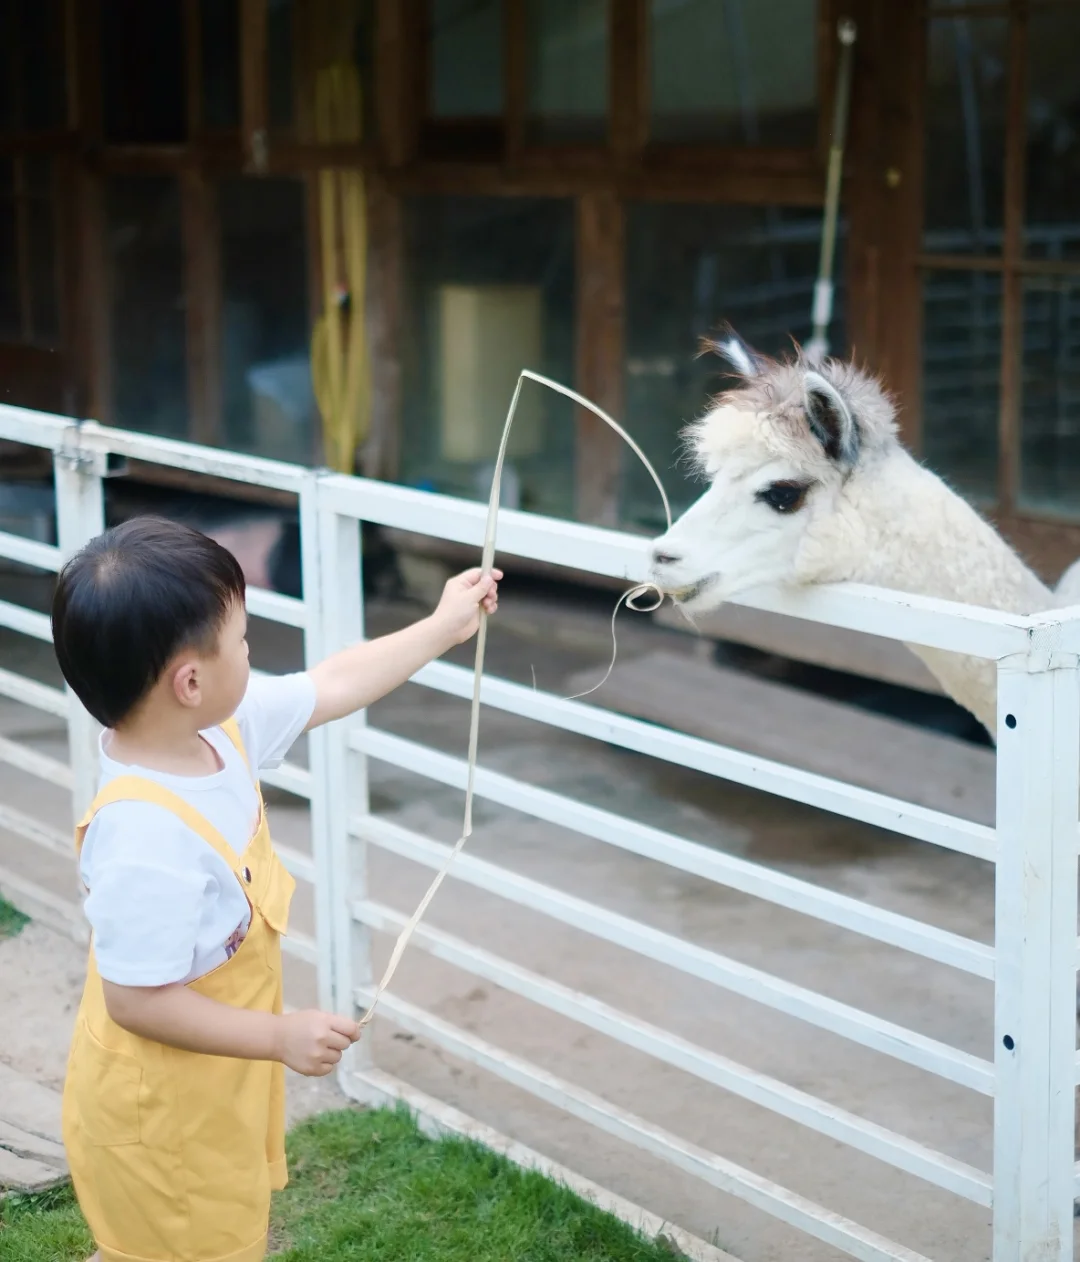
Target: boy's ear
185 683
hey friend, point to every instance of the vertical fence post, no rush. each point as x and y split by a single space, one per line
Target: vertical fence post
346 771
318 740
1038 784
80 515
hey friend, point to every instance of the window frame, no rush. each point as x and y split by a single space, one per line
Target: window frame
1051 534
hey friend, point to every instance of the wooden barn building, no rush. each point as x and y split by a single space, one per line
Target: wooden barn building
580 186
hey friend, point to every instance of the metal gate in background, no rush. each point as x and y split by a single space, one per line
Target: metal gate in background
1033 1074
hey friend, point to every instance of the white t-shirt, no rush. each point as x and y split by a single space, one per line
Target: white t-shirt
163 905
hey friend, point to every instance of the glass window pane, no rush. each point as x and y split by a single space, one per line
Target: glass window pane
719 72
7 67
41 241
280 67
10 315
489 291
146 302
1052 213
219 48
568 69
1050 448
142 71
40 26
965 134
961 368
466 58
269 404
688 269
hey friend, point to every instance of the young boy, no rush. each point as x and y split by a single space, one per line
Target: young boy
174 1100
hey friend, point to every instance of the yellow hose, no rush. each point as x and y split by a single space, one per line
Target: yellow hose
339 357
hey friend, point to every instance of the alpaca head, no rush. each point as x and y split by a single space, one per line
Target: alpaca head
780 453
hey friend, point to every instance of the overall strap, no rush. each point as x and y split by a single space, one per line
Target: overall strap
139 789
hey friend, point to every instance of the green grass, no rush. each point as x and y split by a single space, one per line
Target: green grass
367 1186
11 920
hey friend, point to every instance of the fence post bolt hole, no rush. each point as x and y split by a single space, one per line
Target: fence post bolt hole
1010 721
1009 1042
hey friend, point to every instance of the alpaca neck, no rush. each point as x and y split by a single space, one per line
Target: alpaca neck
901 527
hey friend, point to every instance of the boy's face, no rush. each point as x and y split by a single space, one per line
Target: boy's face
223 678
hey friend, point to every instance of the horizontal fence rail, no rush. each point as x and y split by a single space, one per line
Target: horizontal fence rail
1032 963
859 1027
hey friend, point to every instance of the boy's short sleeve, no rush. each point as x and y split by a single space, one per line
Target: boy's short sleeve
273 713
145 903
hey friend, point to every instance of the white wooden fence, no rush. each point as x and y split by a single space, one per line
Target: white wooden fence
1033 1075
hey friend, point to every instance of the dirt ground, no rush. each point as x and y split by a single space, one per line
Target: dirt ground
40 973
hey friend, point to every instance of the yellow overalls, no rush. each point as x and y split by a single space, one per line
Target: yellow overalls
174 1154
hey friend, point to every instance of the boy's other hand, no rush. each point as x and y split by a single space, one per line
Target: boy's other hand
458 612
311 1042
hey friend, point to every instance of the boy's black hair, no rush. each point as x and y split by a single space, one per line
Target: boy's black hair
130 600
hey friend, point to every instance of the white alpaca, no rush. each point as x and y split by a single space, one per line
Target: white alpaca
809 484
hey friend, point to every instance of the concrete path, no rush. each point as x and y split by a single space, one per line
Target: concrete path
40 973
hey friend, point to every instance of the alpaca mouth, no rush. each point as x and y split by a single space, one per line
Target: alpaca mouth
688 594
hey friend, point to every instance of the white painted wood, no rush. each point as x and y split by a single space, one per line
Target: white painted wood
314 782
1035 1005
302 866
827 1119
34 830
870 656
301 945
794 727
262 603
30 693
23 758
376 1088
25 621
290 777
346 785
805 1005
99 440
43 556
898 615
682 750
33 429
80 517
763 1194
687 856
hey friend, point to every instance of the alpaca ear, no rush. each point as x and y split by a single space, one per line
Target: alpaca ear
830 420
730 346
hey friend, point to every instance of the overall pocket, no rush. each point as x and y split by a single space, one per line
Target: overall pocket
104 1091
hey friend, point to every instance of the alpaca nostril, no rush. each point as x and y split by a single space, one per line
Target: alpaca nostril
665 558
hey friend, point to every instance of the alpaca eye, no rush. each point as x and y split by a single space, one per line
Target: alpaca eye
784 497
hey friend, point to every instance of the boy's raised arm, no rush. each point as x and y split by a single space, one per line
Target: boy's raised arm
361 674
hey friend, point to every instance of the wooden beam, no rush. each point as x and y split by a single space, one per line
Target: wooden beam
381 455
202 286
84 17
398 75
94 350
600 336
515 76
254 99
884 201
628 79
193 65
1012 248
